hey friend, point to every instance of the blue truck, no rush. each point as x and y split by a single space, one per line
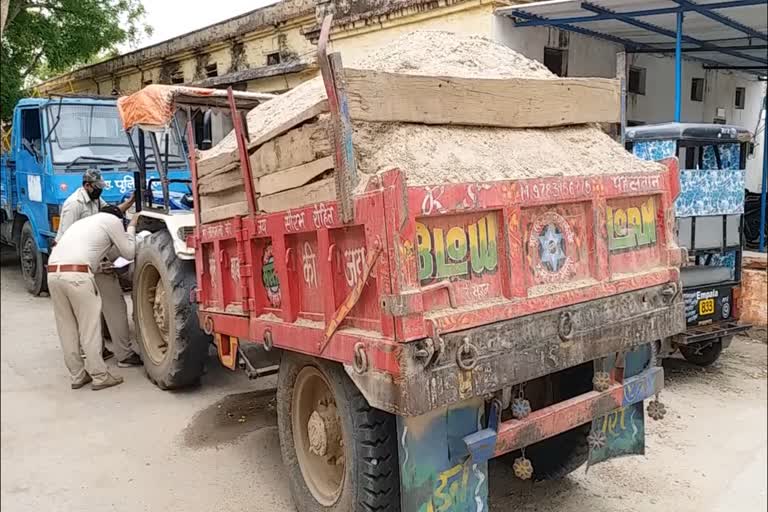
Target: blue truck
53 142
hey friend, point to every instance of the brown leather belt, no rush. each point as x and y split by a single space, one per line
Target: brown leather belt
69 268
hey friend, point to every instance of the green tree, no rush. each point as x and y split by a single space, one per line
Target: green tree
44 37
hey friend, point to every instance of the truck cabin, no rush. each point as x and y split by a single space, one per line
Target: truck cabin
60 137
156 114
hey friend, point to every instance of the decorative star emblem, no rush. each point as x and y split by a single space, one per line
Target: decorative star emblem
551 248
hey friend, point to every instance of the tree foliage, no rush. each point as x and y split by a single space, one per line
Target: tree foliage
41 38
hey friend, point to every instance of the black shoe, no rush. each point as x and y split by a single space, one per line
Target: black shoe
132 360
106 354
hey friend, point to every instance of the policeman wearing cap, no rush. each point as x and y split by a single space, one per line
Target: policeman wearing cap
84 202
76 297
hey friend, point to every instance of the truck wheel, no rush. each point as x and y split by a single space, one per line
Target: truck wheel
32 262
340 452
702 354
172 345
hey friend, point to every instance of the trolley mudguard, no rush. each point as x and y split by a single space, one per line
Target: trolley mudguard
444 453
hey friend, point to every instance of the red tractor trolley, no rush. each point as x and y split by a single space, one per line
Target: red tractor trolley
420 331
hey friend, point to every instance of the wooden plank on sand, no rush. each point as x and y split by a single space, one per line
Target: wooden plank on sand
297 146
271 130
222 198
293 177
317 192
226 211
220 182
508 102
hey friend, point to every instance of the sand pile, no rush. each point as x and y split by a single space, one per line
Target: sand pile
431 155
440 53
437 154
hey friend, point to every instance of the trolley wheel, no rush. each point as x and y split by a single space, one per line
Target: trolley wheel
340 452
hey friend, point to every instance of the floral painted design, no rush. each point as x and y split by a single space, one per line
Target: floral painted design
710 192
729 156
706 191
654 149
726 259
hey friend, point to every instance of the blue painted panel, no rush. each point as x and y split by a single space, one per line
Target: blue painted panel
6 188
119 183
705 191
710 192
30 191
654 149
726 259
436 475
624 428
730 157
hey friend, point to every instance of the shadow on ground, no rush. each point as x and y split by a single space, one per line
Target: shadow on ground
231 418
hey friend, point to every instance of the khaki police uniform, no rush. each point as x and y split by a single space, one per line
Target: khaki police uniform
76 300
79 206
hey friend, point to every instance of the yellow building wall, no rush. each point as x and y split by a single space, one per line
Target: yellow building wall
477 20
222 58
104 85
276 84
130 82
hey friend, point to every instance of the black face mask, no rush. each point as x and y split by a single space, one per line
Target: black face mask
94 193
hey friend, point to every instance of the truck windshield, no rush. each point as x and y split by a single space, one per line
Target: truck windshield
92 132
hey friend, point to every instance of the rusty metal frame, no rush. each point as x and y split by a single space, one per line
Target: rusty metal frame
563 416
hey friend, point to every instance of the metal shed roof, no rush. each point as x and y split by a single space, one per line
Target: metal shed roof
724 34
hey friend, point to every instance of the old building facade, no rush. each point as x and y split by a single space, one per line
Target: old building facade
271 49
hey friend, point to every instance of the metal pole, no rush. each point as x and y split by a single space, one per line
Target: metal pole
142 161
242 149
763 192
137 172
161 169
621 74
679 66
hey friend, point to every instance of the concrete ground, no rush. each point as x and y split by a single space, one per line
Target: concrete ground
136 448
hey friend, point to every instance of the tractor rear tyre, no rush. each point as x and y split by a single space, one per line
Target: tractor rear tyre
33 262
702 354
340 452
171 344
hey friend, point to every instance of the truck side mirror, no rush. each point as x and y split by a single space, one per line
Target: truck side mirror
207 141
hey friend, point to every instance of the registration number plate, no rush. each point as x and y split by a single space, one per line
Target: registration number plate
706 307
